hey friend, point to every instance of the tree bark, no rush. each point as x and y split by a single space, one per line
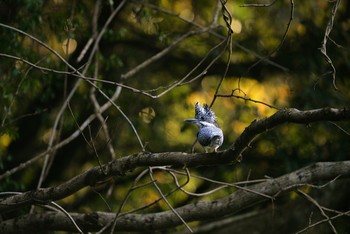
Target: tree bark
237 201
122 165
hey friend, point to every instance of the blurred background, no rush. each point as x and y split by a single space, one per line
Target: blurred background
294 74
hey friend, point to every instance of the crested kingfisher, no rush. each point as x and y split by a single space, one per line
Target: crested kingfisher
209 134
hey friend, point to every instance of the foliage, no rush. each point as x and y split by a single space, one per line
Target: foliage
143 61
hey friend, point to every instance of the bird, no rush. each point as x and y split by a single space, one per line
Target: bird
210 136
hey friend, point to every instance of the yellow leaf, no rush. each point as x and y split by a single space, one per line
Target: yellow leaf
69 45
236 26
5 140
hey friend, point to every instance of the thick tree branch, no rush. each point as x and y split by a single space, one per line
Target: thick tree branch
291 115
233 203
125 164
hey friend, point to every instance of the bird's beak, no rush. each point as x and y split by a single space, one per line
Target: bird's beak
193 120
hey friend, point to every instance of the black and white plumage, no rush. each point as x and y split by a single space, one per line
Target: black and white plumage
209 134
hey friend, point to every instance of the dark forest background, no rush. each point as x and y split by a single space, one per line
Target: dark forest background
155 60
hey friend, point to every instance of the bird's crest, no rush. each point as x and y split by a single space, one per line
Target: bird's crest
204 113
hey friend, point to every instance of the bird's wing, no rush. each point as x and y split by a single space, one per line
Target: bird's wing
209 136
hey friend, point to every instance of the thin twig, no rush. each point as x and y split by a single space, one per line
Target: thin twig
228 20
64 142
323 48
60 113
247 99
68 215
8 109
158 199
259 4
262 59
166 200
159 55
323 221
223 185
313 201
211 31
191 193
126 197
56 207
